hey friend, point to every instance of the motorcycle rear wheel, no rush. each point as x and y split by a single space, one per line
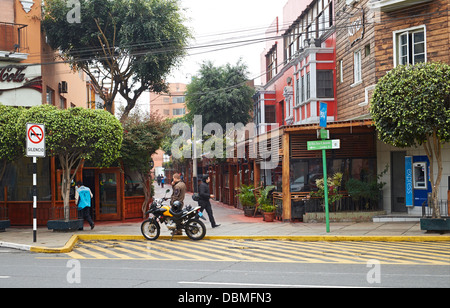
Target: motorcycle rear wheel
195 229
150 229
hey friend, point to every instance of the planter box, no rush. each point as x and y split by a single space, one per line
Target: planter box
4 224
342 216
435 224
249 211
269 216
62 225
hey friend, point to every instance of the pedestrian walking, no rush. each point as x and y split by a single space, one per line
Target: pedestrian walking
83 196
158 179
204 200
162 181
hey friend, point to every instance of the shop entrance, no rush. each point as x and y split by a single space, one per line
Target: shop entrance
105 185
398 200
107 198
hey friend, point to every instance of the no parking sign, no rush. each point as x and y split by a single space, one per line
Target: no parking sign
35 145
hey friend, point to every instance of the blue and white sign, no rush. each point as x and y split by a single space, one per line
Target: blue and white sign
409 195
323 114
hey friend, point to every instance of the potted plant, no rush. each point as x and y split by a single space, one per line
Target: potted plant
334 183
247 199
266 203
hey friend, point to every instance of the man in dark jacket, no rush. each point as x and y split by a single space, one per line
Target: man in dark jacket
204 200
178 190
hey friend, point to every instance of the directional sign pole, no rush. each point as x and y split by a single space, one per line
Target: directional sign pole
325 188
323 123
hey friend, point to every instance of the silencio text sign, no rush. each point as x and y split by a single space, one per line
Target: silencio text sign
35 141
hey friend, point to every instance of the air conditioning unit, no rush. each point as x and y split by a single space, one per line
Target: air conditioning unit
63 87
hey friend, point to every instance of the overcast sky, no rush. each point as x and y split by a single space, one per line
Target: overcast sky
216 22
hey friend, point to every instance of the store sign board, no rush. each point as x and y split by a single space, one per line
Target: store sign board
324 145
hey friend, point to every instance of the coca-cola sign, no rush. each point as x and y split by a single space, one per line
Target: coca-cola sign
12 73
14 77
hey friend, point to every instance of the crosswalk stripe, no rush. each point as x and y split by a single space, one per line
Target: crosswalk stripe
199 249
109 251
147 247
188 253
251 252
310 256
91 253
362 256
383 250
265 251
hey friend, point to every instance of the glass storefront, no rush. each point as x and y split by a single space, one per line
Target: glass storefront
304 172
18 180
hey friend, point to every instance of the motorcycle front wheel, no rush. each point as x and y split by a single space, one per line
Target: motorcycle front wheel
150 229
195 229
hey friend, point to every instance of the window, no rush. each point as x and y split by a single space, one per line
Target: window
297 92
178 100
178 111
341 70
50 96
303 89
357 66
325 84
271 61
308 87
62 103
410 46
270 114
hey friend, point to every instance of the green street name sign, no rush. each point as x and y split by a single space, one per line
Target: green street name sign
324 145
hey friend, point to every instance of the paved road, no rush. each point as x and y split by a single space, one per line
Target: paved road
222 264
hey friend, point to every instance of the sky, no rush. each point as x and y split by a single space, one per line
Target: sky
216 22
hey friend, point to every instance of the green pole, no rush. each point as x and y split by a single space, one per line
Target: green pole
325 186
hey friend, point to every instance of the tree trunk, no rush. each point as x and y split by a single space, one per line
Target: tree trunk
65 193
146 182
433 148
67 163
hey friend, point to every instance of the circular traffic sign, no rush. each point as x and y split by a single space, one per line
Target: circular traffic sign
35 134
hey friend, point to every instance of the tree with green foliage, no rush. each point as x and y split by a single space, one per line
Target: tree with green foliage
74 135
124 46
411 107
142 137
220 95
11 147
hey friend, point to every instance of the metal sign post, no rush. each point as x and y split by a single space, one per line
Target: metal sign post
324 145
35 147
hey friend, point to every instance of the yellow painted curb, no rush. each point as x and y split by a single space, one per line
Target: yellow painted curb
68 247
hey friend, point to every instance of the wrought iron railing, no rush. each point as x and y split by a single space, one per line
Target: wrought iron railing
13 37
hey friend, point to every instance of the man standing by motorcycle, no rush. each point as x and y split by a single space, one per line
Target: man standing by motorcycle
204 199
178 193
178 190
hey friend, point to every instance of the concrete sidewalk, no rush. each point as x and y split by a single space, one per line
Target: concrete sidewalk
233 224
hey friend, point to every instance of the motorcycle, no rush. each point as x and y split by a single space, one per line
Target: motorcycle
176 220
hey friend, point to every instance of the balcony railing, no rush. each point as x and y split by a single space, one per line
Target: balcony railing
13 37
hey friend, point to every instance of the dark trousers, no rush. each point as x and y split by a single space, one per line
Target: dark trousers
207 206
85 214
